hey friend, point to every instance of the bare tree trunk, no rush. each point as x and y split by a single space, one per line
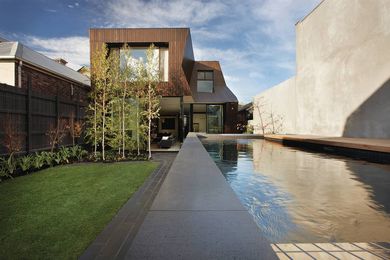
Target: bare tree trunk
138 126
123 122
104 121
149 120
271 116
95 126
261 119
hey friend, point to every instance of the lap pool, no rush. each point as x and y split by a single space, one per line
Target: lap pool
299 196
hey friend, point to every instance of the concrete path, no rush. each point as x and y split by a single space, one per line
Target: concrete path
114 241
196 215
375 145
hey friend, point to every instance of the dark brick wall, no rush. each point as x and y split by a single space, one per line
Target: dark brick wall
48 84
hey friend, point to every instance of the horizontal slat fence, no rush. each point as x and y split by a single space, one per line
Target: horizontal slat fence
30 115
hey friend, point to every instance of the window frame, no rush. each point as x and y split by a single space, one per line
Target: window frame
204 78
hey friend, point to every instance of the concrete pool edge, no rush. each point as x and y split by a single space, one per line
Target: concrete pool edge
374 150
196 215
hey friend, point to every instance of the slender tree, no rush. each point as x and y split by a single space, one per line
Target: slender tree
96 119
153 100
127 78
138 93
113 98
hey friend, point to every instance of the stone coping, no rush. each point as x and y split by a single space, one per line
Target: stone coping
228 136
196 215
369 144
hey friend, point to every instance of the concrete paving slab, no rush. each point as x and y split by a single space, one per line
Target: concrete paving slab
199 235
195 183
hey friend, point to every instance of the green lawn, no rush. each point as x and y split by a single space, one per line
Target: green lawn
56 213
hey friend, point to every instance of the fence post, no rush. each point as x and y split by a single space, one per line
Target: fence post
58 113
77 113
28 115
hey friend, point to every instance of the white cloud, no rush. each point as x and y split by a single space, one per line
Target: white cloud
281 15
256 75
73 49
51 10
230 79
157 13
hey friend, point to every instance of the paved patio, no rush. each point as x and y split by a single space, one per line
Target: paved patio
369 251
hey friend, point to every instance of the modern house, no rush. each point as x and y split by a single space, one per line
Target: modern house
195 96
342 81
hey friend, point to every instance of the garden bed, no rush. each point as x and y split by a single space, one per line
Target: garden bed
57 212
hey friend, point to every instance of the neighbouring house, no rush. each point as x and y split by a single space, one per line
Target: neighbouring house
195 96
18 63
35 92
244 117
342 81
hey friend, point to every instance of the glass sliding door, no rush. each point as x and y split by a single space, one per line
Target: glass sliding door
214 117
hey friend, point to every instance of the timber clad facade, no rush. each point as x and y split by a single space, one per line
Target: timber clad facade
195 96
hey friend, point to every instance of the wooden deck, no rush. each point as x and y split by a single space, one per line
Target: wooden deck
376 145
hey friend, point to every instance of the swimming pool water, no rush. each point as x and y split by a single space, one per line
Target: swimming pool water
300 196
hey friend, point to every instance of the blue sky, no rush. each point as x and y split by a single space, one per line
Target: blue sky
253 39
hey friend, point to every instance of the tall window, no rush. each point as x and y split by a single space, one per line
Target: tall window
164 64
138 54
205 81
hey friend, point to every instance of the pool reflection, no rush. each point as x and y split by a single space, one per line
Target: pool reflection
298 196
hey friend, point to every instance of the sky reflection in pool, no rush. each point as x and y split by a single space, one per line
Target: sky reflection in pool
299 196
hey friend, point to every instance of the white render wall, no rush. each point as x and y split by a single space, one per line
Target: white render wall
7 73
281 101
342 85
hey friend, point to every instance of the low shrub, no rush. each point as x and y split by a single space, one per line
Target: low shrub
64 154
48 158
26 163
8 166
38 161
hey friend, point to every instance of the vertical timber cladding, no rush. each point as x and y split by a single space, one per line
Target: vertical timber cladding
179 55
230 117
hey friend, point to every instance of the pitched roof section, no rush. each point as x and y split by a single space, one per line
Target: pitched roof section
16 50
221 94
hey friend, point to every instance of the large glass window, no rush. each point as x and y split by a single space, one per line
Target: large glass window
214 119
138 54
205 81
164 64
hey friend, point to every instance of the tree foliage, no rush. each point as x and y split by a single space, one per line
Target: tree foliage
124 101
